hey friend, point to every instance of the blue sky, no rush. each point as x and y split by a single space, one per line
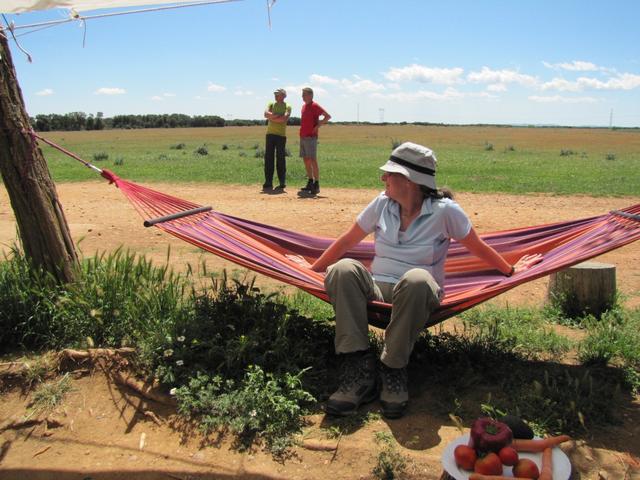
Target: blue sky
512 62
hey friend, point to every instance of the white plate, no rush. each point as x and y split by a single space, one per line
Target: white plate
561 463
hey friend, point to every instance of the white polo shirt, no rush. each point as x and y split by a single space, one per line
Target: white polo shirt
423 245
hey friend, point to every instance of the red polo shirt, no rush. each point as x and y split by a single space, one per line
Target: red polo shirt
309 119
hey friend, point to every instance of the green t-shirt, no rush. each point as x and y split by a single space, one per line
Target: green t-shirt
279 109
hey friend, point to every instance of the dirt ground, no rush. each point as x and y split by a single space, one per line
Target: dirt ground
101 425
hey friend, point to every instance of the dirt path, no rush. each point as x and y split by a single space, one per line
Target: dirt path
101 425
101 219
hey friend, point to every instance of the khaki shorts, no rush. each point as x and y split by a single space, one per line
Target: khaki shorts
309 147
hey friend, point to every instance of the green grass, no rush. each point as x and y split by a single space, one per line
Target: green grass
523 160
251 363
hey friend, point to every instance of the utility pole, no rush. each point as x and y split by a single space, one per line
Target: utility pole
611 119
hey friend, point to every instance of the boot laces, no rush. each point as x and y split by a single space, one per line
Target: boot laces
395 379
353 372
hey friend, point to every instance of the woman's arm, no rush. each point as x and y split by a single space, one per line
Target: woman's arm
482 250
337 249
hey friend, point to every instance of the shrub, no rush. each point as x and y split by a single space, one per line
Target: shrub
118 161
263 405
610 156
97 157
488 146
203 150
566 153
178 146
225 146
259 153
395 143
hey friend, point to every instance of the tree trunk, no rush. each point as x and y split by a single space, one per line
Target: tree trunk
586 288
43 229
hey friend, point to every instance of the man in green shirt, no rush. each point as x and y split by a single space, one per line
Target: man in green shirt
277 113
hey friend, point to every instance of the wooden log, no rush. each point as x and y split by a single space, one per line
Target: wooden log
586 288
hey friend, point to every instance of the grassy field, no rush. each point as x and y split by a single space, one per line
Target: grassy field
561 161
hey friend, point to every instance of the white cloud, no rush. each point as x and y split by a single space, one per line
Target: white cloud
157 98
243 93
562 85
168 94
297 90
575 66
361 86
212 87
560 99
487 75
448 94
420 73
497 87
45 93
322 79
110 91
624 81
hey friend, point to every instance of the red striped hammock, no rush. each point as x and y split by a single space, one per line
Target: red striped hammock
276 252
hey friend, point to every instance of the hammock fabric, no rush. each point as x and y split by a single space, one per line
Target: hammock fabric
281 254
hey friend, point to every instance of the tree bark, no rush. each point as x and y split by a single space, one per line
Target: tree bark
42 226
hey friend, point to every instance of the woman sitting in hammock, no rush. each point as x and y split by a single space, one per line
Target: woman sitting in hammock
413 223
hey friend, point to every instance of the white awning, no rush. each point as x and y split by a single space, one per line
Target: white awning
20 6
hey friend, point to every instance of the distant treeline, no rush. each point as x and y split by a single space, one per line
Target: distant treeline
82 121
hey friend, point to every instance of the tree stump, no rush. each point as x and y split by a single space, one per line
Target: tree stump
586 288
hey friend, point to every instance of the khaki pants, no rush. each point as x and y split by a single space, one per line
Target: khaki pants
350 286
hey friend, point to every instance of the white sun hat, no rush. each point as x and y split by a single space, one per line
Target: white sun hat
416 162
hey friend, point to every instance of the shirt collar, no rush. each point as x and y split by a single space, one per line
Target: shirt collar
427 207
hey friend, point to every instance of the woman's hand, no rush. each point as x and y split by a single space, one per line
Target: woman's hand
526 261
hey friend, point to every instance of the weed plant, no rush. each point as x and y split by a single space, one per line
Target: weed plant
526 328
390 464
50 395
120 299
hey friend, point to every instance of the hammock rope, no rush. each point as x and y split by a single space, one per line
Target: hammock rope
285 255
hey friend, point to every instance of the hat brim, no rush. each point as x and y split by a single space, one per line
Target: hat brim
415 177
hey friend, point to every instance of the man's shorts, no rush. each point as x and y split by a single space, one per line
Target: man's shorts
308 147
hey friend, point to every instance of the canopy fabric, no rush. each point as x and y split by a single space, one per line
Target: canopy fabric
284 255
20 6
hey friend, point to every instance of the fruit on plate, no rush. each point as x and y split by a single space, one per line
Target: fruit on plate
488 435
518 426
508 456
490 464
465 457
526 468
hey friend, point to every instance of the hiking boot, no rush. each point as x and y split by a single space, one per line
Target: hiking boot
394 394
357 384
315 188
280 187
308 187
267 187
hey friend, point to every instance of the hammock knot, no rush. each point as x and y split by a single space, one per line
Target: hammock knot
109 175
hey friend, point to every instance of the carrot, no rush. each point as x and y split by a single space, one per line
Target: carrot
538 445
546 472
479 476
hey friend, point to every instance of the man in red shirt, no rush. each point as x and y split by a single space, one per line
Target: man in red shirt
310 122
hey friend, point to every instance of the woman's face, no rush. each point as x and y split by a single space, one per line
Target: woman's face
395 184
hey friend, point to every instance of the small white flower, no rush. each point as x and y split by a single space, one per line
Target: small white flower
172 392
253 413
180 338
168 352
180 362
